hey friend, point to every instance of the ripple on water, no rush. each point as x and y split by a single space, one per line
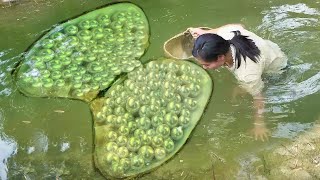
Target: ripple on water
294 27
8 147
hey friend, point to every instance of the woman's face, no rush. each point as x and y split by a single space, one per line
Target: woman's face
214 64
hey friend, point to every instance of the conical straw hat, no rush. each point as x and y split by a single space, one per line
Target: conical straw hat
180 46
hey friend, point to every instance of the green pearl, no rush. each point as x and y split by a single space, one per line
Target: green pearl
45 74
36 83
66 61
160 153
156 120
71 30
163 130
146 152
185 68
184 91
55 65
122 141
104 20
111 136
173 107
57 36
116 25
132 126
132 105
27 79
86 78
85 24
171 120
94 24
73 67
190 103
194 90
84 35
125 163
47 43
55 75
138 133
95 67
111 147
134 144
144 123
150 132
111 119
112 158
157 141
168 94
176 133
47 82
168 145
40 65
109 102
184 121
116 169
144 98
60 83
124 130
137 162
173 67
77 85
107 110
121 121
144 111
46 54
146 139
123 152
67 73
71 41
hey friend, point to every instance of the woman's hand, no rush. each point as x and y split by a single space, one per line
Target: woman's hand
261 132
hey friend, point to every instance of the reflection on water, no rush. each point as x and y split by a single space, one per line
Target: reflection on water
290 130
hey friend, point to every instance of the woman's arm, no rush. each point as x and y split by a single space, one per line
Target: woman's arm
260 130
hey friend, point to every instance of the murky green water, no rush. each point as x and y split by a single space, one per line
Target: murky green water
50 138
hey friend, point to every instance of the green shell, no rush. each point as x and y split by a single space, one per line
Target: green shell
78 44
163 122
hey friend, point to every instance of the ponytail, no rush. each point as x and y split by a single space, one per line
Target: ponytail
245 47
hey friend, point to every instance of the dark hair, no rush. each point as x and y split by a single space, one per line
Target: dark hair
209 46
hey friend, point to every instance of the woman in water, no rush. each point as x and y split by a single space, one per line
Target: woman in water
246 55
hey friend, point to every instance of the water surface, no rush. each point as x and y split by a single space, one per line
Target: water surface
50 138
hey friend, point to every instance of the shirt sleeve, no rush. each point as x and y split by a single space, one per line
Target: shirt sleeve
253 84
249 76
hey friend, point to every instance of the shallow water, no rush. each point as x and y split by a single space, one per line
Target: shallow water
50 138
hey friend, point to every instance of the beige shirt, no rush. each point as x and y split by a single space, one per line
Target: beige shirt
271 60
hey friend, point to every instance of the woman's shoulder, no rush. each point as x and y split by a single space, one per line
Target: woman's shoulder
226 31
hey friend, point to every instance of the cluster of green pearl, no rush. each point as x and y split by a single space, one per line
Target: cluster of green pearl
86 56
148 114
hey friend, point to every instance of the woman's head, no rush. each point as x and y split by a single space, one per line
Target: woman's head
210 50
